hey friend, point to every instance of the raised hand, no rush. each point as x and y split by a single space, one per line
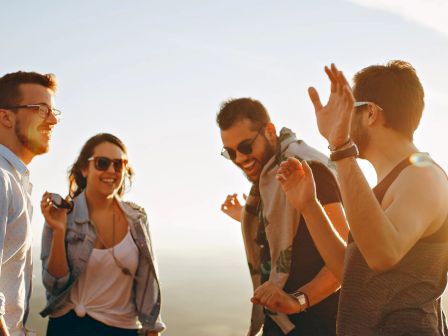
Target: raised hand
55 218
232 207
296 179
333 119
275 299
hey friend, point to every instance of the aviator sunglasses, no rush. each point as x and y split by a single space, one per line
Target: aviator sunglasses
244 147
103 163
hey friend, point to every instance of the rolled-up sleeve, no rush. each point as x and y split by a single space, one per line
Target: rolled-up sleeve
52 284
4 204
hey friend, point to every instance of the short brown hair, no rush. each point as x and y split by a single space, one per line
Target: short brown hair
396 88
9 85
234 110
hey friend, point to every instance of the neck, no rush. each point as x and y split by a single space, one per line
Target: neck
98 202
387 152
23 153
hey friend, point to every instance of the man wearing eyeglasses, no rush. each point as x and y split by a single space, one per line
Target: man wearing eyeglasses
279 249
27 118
394 267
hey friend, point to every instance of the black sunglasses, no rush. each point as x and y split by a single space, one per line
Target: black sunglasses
244 147
103 163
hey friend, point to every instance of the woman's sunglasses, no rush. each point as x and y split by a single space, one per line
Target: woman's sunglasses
244 147
103 163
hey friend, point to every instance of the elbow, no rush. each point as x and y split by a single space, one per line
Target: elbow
383 263
384 260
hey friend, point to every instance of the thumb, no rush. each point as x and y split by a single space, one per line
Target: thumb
314 96
245 196
307 168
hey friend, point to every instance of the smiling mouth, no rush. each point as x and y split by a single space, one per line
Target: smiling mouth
249 167
108 180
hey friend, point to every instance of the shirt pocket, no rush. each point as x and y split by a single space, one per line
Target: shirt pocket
79 248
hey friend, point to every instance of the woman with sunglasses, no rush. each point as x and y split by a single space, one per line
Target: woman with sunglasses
99 269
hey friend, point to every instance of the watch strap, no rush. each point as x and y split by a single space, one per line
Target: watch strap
344 153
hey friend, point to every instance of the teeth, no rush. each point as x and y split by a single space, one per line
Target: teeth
249 165
108 180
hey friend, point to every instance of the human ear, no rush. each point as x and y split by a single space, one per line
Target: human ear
270 131
6 118
373 115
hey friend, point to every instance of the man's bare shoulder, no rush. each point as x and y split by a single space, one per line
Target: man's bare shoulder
425 184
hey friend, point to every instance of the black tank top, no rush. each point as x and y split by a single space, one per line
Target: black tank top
402 301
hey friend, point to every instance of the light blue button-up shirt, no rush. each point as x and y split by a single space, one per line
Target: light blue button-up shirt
15 241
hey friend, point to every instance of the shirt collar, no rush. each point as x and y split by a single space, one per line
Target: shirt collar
81 212
14 161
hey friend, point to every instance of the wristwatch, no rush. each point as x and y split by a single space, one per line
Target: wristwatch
302 299
351 151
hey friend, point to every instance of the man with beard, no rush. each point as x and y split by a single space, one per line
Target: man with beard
27 117
279 249
396 259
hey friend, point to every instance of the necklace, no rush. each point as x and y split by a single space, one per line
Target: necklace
123 269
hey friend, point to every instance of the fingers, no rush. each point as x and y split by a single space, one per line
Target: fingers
333 78
306 168
230 202
314 96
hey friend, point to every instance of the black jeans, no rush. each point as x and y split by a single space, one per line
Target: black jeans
72 325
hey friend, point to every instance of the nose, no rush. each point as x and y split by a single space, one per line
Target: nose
52 119
111 168
240 158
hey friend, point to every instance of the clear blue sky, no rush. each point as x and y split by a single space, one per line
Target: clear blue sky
155 72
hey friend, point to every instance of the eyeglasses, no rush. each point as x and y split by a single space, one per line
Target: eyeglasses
103 163
244 147
43 110
365 103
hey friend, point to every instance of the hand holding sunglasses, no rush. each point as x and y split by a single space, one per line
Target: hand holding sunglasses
103 163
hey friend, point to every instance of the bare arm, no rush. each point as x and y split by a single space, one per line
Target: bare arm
326 281
329 235
395 227
56 220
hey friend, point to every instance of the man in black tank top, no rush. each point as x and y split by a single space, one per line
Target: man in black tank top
251 142
394 267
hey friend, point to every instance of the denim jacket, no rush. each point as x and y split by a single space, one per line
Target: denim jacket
80 240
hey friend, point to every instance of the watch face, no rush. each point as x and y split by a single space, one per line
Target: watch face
302 300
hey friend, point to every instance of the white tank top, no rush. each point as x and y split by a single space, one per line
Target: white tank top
103 291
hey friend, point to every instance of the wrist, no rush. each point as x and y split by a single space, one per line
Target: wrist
339 144
302 300
59 230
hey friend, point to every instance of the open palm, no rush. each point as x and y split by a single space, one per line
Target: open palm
333 119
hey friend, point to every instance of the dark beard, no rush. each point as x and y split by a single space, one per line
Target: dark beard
360 137
32 145
268 153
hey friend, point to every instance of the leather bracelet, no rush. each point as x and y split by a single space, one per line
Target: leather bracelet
340 146
344 153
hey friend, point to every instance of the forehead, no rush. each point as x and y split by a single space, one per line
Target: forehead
35 93
240 131
109 150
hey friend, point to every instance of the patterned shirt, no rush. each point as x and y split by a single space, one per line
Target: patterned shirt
15 241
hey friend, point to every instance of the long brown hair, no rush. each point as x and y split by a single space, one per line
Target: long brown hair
77 182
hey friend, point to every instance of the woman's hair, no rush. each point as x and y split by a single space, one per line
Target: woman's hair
77 182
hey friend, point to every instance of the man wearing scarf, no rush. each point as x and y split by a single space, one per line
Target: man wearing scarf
281 255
